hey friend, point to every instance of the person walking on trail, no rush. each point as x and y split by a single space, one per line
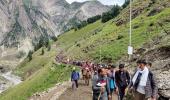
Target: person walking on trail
122 79
87 76
84 71
75 76
143 83
100 86
112 83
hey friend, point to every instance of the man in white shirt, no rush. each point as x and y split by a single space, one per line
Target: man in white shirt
143 83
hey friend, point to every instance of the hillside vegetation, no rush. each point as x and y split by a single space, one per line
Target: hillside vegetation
112 38
85 44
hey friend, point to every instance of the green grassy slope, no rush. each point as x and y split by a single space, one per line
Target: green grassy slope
26 68
43 79
66 41
106 38
40 73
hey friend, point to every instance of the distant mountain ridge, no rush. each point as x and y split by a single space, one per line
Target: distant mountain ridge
28 20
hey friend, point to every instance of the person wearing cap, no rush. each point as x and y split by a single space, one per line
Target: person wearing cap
143 83
122 79
75 76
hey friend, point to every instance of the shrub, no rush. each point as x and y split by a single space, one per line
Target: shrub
93 19
78 45
49 47
111 14
126 3
120 37
42 51
54 38
30 55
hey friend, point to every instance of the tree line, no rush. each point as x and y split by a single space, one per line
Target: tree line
106 16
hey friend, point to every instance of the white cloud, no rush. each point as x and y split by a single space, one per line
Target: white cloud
106 2
112 2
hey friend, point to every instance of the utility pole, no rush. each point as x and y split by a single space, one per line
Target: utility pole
130 48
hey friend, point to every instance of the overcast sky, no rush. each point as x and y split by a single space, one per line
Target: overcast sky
106 2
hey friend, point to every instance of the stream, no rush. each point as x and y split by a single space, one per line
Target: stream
12 80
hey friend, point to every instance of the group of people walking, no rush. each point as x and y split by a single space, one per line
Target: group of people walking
108 81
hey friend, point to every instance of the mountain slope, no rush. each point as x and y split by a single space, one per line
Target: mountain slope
32 19
112 38
89 8
144 28
24 24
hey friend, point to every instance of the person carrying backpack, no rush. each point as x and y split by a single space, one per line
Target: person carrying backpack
122 79
75 76
143 83
112 83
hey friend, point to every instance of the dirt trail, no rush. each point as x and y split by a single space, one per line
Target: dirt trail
82 93
53 93
64 92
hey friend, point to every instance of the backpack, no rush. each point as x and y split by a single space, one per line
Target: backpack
75 76
125 81
150 75
112 84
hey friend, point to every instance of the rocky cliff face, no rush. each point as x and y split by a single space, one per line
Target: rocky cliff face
89 9
158 53
24 21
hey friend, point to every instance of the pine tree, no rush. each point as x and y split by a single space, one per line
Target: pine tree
30 55
42 51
